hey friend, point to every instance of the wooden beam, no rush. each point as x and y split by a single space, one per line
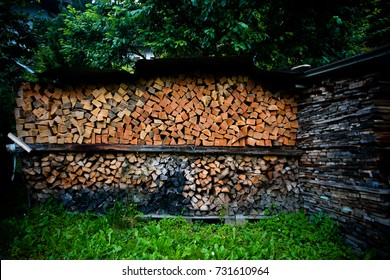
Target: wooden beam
187 149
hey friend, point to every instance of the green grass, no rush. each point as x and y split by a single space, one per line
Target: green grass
51 233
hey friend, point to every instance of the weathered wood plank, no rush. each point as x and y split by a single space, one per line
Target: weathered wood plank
165 149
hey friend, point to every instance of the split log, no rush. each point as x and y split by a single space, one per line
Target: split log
203 185
202 111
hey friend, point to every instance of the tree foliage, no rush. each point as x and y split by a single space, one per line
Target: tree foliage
102 36
203 27
279 33
16 45
377 24
55 6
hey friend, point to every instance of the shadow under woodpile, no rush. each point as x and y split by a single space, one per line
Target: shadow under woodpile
169 198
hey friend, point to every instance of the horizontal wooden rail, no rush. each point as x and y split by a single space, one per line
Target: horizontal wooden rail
255 151
235 219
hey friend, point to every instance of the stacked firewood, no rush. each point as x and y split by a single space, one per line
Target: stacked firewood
242 184
198 185
182 110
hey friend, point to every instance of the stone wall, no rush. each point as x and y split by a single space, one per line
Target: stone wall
344 125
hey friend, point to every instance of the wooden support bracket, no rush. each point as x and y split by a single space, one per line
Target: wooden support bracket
19 142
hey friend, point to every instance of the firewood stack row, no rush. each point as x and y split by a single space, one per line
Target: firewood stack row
181 110
173 184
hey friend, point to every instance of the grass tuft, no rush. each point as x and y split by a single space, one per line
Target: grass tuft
52 233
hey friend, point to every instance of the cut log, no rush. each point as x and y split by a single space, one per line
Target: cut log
229 111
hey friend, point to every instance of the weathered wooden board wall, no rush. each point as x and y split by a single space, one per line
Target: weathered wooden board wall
344 135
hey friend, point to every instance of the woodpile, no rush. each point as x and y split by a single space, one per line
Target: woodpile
88 130
215 145
344 130
240 184
182 110
338 137
173 184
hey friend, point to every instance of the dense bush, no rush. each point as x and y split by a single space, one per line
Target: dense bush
52 233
